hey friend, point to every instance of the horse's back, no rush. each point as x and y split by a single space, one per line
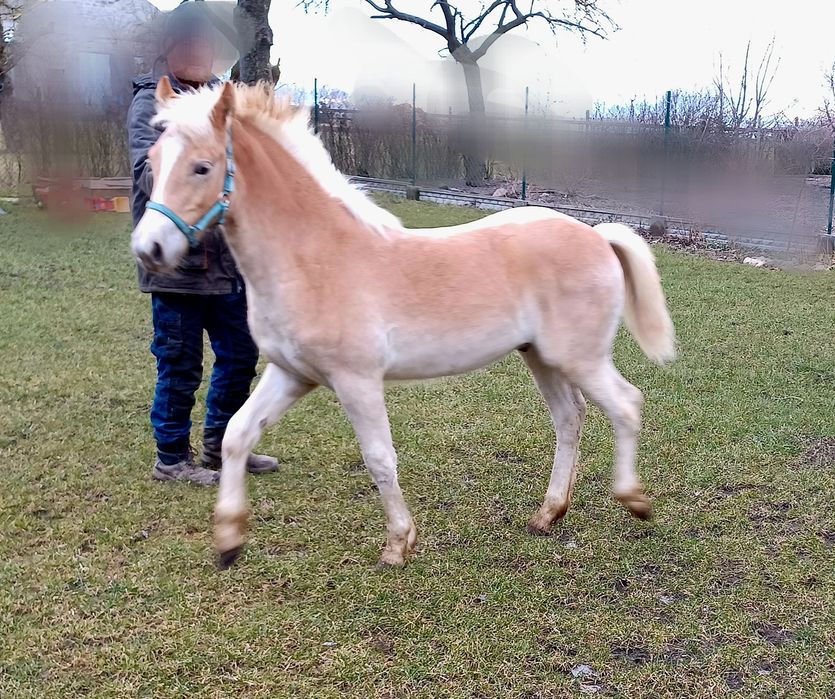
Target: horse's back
519 244
517 215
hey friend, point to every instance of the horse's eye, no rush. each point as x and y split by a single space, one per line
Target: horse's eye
202 169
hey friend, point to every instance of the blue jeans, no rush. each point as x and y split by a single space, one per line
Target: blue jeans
179 321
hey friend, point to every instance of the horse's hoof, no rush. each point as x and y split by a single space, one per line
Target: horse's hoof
386 563
549 513
642 511
226 559
540 524
534 528
637 503
392 558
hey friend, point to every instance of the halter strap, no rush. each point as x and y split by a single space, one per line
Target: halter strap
215 215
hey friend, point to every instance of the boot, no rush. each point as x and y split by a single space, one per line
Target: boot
210 456
185 470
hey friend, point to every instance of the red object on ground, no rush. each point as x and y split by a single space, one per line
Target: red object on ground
85 194
62 200
98 204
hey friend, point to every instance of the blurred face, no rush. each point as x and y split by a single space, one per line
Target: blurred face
191 58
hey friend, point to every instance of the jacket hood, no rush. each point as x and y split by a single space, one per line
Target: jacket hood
149 81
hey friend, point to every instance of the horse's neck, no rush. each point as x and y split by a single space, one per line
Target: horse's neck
284 227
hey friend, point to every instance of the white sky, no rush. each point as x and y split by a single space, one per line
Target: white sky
662 44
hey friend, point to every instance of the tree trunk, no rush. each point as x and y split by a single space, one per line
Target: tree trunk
6 65
275 72
256 40
475 166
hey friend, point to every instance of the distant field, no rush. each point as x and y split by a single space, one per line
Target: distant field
107 582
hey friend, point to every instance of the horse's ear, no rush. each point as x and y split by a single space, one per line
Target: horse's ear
164 91
224 107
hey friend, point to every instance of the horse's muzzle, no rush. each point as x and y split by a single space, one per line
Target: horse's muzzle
152 259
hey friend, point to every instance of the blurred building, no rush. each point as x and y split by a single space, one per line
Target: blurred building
83 53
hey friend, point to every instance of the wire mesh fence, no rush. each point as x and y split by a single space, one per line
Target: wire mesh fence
773 183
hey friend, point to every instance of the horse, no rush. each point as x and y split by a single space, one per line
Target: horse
342 296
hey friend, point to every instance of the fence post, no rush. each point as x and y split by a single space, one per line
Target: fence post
666 150
525 151
316 105
831 188
414 134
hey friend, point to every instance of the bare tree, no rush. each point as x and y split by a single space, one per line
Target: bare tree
275 72
10 11
746 95
460 34
697 109
828 108
469 38
257 38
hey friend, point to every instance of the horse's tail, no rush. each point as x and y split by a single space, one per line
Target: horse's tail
645 313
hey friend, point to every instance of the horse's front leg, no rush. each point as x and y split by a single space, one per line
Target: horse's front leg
364 403
275 394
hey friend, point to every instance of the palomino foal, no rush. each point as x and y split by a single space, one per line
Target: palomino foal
341 295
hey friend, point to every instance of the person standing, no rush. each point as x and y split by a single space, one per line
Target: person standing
205 293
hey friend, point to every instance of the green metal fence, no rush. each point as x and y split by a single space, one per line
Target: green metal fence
418 161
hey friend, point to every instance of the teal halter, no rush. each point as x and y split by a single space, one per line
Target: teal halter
215 215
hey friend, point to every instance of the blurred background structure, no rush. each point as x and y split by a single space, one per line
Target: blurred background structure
66 83
475 103
83 54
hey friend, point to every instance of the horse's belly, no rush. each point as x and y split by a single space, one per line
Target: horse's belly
415 357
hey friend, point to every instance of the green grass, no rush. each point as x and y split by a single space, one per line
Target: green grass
107 582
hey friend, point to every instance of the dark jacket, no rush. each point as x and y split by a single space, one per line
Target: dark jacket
208 269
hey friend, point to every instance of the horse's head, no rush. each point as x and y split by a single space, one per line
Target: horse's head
189 166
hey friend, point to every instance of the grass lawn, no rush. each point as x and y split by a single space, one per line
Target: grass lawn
107 579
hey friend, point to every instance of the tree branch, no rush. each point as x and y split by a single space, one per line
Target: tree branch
449 15
587 19
829 100
388 11
472 26
524 18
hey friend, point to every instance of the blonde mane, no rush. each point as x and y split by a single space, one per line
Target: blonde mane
289 126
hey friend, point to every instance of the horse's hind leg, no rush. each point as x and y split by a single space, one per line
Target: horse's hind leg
568 411
622 403
274 395
364 403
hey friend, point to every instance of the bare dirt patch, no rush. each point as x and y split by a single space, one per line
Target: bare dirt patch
634 655
775 635
819 454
